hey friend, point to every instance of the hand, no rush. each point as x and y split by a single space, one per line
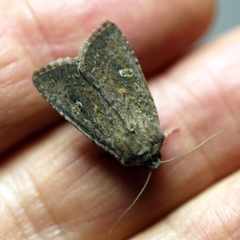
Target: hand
54 183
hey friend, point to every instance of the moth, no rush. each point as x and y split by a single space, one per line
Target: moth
104 94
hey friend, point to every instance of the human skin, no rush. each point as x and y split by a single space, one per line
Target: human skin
56 184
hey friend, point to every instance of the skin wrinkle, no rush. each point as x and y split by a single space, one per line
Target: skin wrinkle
195 225
44 205
222 100
226 106
29 174
78 184
8 63
212 207
65 170
40 32
13 218
199 216
16 218
30 219
236 215
215 219
83 174
21 80
221 221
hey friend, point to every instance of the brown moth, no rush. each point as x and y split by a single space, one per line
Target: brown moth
104 94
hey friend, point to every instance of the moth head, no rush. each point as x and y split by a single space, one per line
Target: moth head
155 162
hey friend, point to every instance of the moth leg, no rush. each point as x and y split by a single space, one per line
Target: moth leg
170 132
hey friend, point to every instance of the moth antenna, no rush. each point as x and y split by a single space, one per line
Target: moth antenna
125 212
193 149
170 132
